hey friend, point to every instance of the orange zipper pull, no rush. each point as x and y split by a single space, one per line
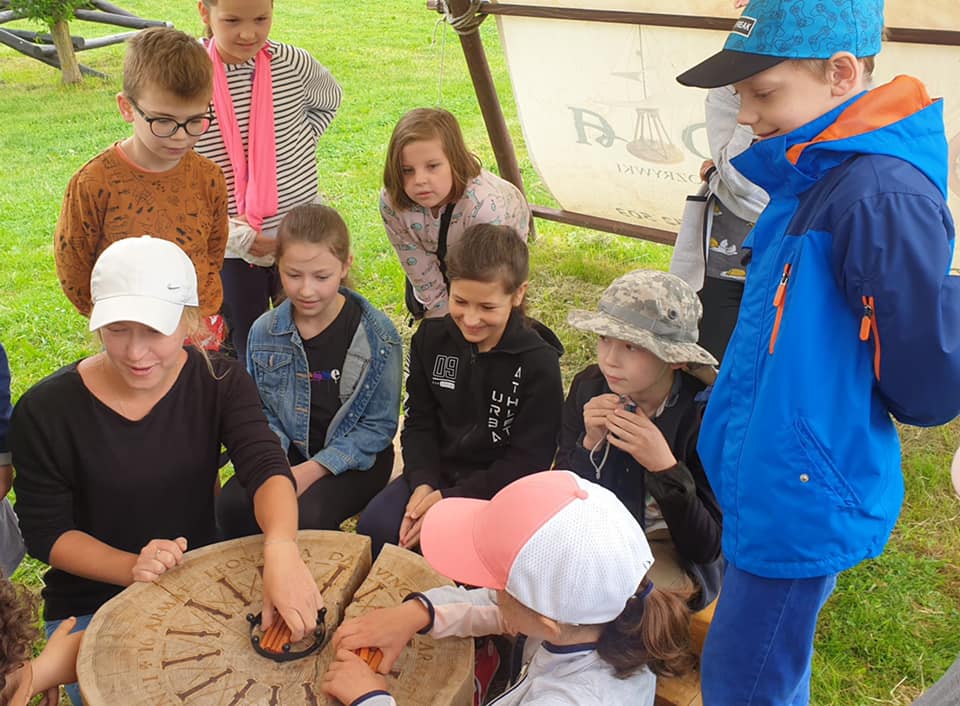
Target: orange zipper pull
868 324
867 320
778 301
782 287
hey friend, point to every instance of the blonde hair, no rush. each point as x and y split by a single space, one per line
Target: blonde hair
169 60
421 125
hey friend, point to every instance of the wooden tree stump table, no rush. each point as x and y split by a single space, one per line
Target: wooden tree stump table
185 639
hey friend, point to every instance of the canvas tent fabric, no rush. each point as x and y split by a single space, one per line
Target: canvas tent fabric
599 104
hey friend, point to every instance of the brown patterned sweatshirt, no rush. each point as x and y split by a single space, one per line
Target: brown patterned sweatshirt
111 198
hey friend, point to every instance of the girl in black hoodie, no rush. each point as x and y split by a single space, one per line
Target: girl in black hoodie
484 392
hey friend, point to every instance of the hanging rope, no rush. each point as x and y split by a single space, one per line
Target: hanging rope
466 23
441 27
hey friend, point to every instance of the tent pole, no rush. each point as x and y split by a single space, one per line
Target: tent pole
486 92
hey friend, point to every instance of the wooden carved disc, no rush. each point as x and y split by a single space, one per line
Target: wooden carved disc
185 639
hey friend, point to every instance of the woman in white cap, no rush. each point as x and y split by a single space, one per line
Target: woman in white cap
116 455
560 560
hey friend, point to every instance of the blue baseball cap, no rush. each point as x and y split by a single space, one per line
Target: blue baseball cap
771 31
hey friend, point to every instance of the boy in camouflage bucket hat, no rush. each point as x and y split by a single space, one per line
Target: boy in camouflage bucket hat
655 310
631 421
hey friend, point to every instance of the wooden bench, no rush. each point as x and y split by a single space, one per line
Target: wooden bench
685 691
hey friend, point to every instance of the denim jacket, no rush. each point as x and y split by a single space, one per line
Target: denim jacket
366 422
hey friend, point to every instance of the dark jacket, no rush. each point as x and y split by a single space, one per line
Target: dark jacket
683 493
474 422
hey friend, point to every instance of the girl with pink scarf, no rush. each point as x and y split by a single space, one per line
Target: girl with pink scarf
272 103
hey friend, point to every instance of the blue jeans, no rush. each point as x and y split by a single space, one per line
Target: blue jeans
760 644
73 690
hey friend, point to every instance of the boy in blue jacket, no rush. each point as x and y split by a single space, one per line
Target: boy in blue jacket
849 317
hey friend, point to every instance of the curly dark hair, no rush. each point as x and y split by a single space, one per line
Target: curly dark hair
18 627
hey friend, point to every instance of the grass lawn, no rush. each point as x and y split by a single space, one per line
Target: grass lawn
893 625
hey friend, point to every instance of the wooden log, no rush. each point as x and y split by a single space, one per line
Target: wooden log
110 7
69 66
185 639
98 42
35 37
40 53
112 18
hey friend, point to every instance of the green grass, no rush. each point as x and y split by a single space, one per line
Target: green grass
892 626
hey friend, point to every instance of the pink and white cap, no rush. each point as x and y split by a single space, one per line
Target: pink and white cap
559 544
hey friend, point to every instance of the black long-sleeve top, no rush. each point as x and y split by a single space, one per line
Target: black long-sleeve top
81 466
474 422
683 493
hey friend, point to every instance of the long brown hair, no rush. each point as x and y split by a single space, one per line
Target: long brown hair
421 125
316 224
652 631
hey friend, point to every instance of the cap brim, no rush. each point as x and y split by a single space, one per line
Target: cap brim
668 351
159 315
448 542
726 68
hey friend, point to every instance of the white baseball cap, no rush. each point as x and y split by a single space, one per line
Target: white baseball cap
561 545
146 280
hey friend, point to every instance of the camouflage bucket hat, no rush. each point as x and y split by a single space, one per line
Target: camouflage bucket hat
655 310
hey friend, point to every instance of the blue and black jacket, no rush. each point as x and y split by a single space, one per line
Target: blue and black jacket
849 316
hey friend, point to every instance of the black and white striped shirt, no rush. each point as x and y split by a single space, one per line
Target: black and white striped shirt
305 99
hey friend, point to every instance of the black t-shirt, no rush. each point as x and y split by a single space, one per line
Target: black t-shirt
81 466
325 355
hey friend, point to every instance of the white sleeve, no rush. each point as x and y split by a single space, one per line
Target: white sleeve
459 612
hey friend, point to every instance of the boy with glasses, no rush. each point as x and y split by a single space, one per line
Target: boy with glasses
151 183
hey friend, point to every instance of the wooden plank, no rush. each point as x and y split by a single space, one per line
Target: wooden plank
605 224
112 18
907 35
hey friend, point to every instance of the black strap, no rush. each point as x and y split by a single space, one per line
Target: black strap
706 220
442 241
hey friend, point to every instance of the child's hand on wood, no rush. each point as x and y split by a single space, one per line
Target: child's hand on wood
388 629
348 678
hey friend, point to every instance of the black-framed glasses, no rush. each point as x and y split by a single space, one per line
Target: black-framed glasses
167 127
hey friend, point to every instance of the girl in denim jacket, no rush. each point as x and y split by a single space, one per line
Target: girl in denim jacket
327 365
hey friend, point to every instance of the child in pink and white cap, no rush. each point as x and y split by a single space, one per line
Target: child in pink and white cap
560 560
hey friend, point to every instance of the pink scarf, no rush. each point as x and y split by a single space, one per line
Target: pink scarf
254 179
